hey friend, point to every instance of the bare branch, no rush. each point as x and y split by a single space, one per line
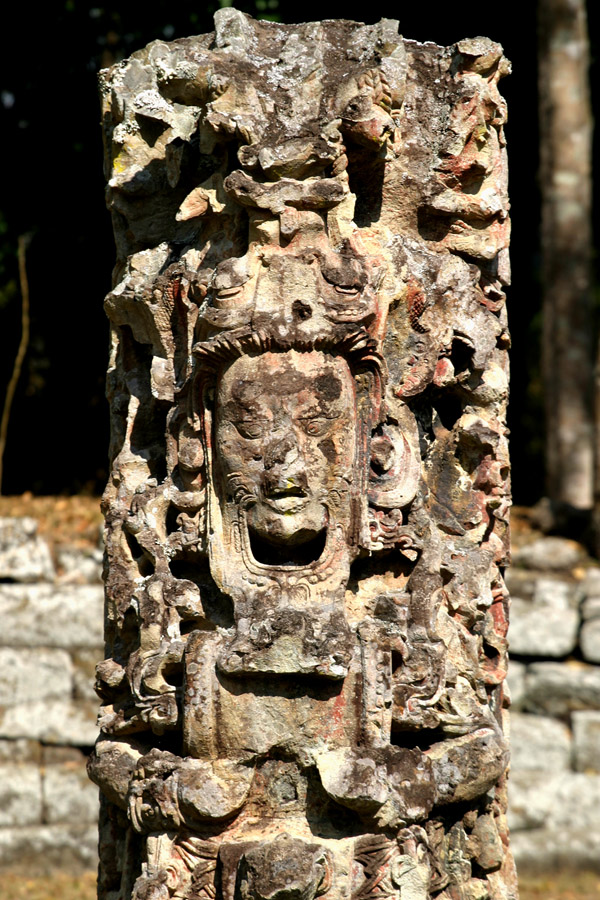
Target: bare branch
23 344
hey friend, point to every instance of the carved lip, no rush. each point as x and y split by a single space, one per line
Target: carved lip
290 500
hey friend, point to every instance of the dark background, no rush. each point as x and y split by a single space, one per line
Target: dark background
53 191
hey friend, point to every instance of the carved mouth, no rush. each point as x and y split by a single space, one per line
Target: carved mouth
287 554
287 500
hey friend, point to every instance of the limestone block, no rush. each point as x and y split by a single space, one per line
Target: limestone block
549 589
38 849
68 794
546 850
553 800
37 674
541 630
79 566
529 797
554 593
515 682
20 750
44 615
84 665
576 802
553 554
24 556
20 795
521 582
590 608
557 689
590 583
586 740
538 742
51 721
61 755
590 640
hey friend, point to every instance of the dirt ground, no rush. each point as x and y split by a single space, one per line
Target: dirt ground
61 520
565 886
56 887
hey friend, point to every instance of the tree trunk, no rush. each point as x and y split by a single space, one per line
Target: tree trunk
568 327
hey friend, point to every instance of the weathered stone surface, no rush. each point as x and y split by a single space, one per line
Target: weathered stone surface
550 554
590 583
560 800
538 742
586 740
555 590
521 582
554 850
37 674
20 750
59 755
51 721
24 556
51 616
68 795
79 566
307 516
557 689
84 673
540 630
20 795
515 681
590 608
530 795
556 593
39 849
590 639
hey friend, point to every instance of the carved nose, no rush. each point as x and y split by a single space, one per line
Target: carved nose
280 451
285 471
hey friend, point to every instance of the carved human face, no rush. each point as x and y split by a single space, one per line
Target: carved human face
285 442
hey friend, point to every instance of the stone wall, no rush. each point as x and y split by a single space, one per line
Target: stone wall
51 637
50 640
554 678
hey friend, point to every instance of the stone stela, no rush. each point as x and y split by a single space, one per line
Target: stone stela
307 513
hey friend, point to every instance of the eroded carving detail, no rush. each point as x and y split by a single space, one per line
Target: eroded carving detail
307 513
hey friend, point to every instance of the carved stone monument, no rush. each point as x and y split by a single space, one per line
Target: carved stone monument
307 512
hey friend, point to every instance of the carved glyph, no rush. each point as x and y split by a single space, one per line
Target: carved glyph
306 619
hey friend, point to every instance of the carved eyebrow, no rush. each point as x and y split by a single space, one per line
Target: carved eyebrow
245 414
328 413
238 412
245 391
320 410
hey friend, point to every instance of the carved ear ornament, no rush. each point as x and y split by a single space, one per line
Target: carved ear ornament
395 469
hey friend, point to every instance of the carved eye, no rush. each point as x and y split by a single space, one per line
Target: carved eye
250 429
315 426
